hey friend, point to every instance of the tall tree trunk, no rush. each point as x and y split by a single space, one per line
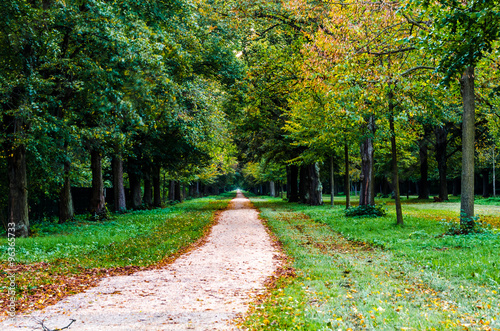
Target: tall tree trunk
148 187
118 187
367 191
494 174
97 203
395 170
423 192
177 192
292 184
467 194
272 189
441 158
347 187
456 186
156 186
66 210
332 182
303 184
18 189
315 188
135 189
486 182
171 190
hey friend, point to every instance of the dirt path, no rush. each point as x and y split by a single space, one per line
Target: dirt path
202 290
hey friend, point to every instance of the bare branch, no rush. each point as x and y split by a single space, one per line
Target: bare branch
409 71
420 24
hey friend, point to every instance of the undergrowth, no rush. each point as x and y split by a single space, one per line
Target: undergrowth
366 211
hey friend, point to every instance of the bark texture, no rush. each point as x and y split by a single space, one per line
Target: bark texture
315 197
303 184
66 210
292 184
148 187
347 188
135 190
332 182
97 203
367 191
118 187
178 192
423 151
18 190
441 134
272 189
467 192
395 170
156 186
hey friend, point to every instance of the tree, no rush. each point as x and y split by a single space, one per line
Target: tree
461 35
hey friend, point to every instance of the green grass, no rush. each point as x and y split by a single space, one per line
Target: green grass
363 273
136 238
65 259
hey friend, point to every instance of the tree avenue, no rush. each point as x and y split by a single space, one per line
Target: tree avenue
127 105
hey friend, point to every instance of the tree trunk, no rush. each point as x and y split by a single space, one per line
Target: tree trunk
332 182
441 158
156 186
315 188
467 194
347 188
456 186
135 189
303 184
148 187
118 187
177 192
292 184
171 191
97 203
367 190
272 189
494 174
423 192
18 189
395 170
486 182
66 210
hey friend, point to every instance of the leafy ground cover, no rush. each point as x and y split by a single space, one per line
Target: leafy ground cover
367 273
66 259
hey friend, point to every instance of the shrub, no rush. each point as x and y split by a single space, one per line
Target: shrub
366 211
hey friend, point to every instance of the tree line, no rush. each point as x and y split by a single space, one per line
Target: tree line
136 88
367 89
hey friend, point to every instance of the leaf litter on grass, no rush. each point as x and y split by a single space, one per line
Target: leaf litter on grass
344 284
40 284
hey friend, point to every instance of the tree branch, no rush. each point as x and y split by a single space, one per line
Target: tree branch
407 72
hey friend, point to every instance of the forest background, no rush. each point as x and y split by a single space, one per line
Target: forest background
121 105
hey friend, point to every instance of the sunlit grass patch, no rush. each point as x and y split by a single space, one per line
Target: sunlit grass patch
370 274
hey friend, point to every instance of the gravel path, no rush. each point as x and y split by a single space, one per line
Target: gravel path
203 290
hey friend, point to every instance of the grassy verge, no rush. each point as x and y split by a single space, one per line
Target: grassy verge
487 209
66 259
369 274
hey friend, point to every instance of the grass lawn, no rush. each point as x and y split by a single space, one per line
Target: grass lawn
66 259
368 274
